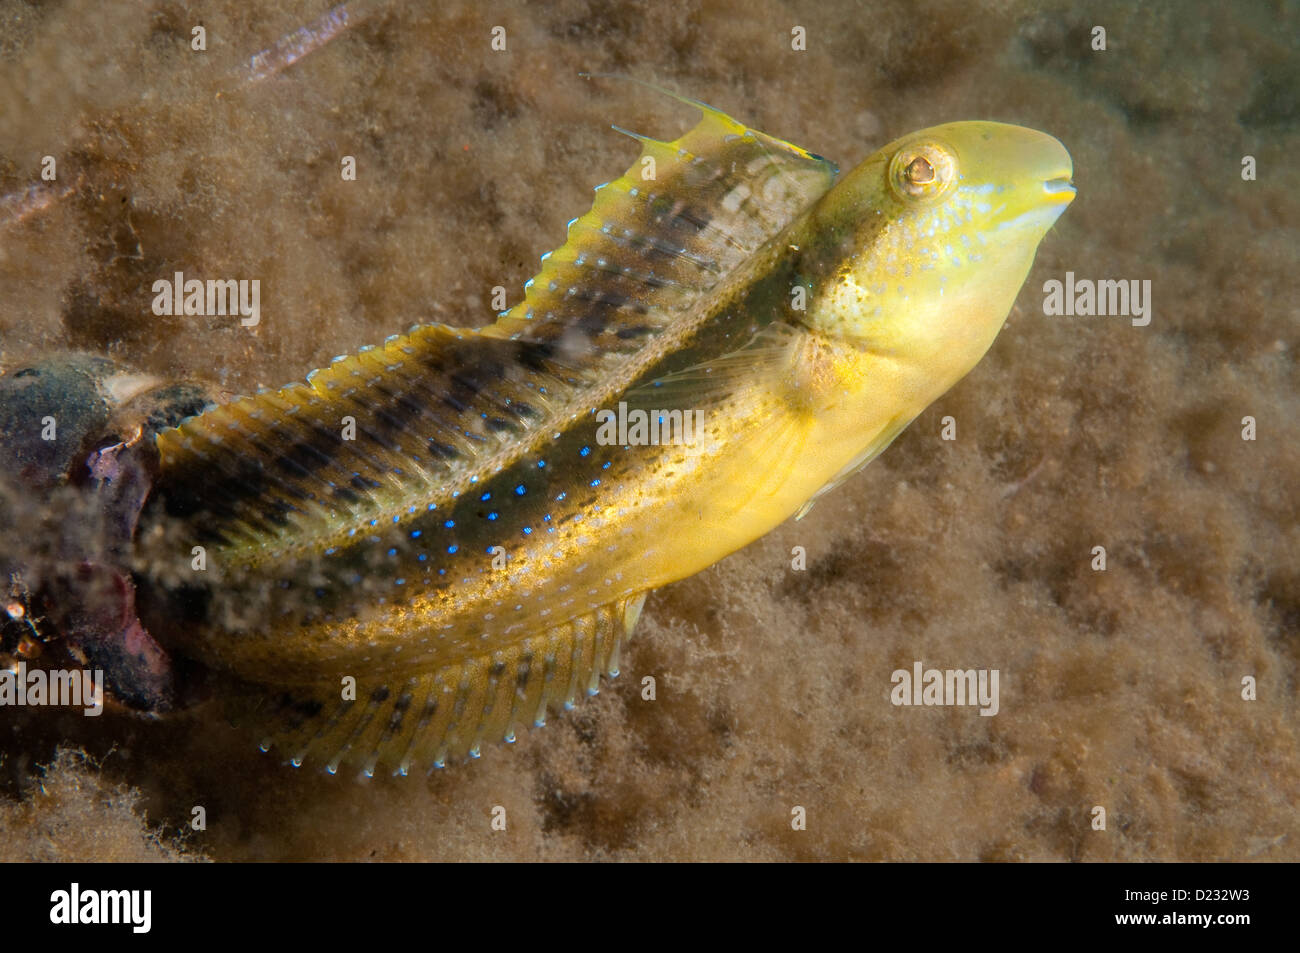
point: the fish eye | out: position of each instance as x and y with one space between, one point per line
919 171
922 170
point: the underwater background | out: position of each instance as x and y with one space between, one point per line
1120 689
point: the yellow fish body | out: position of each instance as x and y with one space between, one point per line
464 524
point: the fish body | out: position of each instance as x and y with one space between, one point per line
465 523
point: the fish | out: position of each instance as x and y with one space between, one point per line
435 542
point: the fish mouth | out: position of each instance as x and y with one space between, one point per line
1060 188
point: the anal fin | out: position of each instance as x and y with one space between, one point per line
447 714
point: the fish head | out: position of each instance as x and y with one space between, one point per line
935 236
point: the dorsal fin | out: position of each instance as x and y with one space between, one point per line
681 219
418 419
434 411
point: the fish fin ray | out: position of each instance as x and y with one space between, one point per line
660 237
415 419
726 376
874 449
446 715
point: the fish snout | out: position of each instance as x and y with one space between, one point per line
1034 173
1060 188
1040 160
1051 165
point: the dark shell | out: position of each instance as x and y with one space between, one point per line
77 433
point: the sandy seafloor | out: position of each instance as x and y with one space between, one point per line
1120 689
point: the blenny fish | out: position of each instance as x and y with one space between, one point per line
436 541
